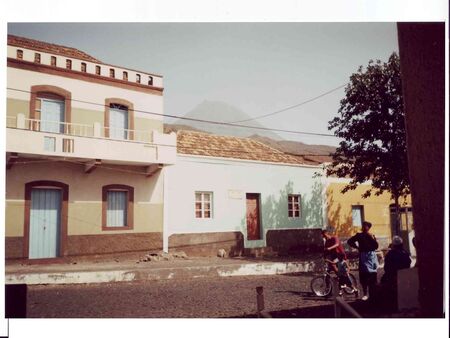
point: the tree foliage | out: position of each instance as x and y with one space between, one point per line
371 122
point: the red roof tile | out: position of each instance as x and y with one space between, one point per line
19 41
204 144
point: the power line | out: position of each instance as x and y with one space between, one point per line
229 124
291 107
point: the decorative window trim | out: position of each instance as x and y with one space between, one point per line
64 214
130 206
202 205
293 202
130 107
50 92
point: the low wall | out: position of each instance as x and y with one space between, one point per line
95 244
295 241
208 244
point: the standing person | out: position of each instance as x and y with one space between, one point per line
333 247
366 244
396 259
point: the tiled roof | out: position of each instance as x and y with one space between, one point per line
19 41
204 144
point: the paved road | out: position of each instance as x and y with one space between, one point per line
200 298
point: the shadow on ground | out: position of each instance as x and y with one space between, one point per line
365 309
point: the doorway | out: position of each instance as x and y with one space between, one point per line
253 217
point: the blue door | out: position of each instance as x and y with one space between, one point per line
52 116
45 223
118 123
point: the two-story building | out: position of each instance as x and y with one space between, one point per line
85 154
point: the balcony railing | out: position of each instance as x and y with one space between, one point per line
77 129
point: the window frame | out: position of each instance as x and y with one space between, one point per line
19 54
84 67
53 61
50 92
202 205
98 70
37 57
69 64
130 108
361 208
130 206
292 210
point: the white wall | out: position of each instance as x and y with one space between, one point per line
230 180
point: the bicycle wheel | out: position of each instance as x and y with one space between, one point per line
351 290
321 286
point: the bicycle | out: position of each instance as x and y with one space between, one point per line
322 286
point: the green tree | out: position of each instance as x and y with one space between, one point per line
371 122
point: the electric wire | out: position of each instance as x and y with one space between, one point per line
229 124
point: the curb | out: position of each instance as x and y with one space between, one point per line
109 276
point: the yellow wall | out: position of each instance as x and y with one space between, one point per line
84 116
15 106
85 196
376 210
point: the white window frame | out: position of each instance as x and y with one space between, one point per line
202 202
127 199
361 209
291 203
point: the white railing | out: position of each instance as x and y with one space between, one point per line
78 129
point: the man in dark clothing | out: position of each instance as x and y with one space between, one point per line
366 244
396 259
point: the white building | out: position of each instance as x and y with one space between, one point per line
238 194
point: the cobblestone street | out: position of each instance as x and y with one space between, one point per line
200 298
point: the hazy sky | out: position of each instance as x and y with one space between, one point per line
257 67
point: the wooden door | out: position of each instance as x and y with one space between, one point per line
253 217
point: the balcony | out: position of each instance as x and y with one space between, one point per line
38 138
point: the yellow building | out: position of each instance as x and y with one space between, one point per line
85 162
346 212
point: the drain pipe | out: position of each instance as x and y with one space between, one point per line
165 211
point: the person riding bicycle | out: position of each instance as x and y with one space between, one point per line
332 248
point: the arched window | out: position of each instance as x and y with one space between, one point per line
138 78
97 70
83 67
69 64
119 119
19 54
125 76
112 73
50 109
53 61
150 81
